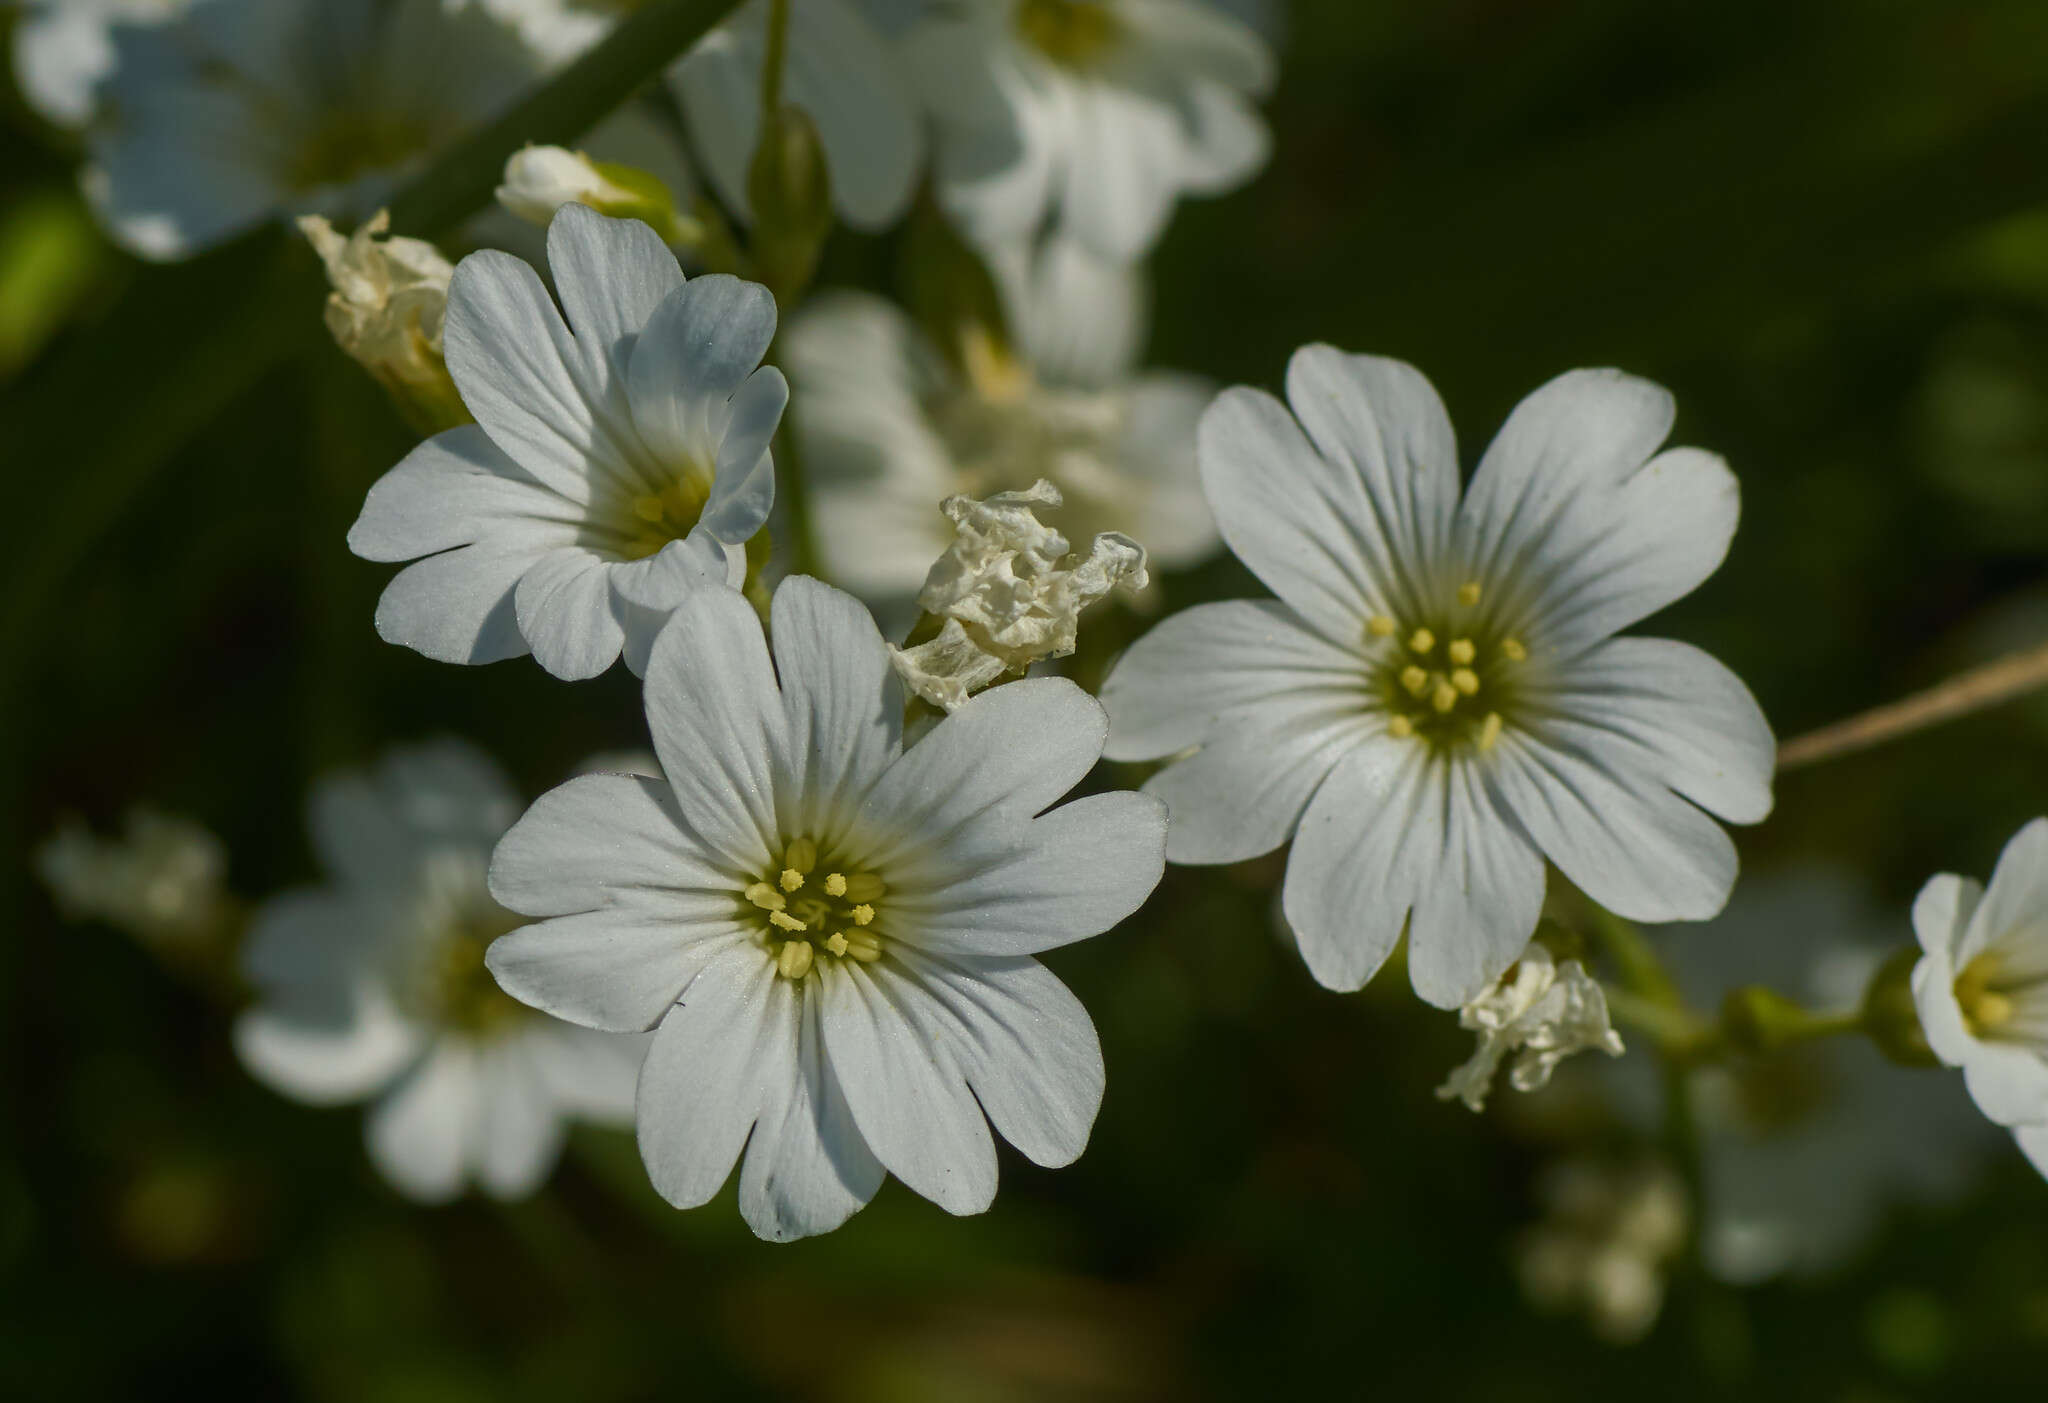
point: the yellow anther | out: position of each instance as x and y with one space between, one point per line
782 920
836 942
1465 680
1512 649
835 884
1462 651
1489 730
1415 680
862 946
864 886
1988 1012
1421 641
802 856
790 879
1444 697
766 897
793 961
863 915
1468 593
1400 728
1380 626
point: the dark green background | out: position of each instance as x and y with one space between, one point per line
1823 224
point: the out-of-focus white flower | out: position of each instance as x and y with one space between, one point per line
375 986
617 462
241 110
63 48
1806 1149
1982 984
1437 704
890 426
833 934
1608 1237
386 310
1093 116
1008 593
164 880
1540 1012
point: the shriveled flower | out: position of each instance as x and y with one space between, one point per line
164 880
242 110
1609 1236
63 48
891 423
1539 1012
1436 704
616 464
1093 116
831 935
375 986
1982 984
1008 593
386 309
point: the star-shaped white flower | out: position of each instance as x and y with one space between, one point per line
1982 984
241 110
1436 704
830 934
374 986
617 462
1094 116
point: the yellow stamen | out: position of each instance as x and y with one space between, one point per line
791 879
766 897
794 960
1512 649
1400 728
835 884
1468 593
1421 641
1415 680
1462 651
864 886
782 920
862 946
1380 626
836 942
1465 680
1489 730
862 915
1444 697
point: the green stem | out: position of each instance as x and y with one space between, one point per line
775 59
794 485
1641 971
1677 1032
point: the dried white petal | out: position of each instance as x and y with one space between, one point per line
386 310
1540 1012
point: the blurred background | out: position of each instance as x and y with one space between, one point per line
1823 224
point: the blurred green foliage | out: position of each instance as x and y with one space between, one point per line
1823 223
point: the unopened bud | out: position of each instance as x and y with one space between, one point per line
790 191
539 180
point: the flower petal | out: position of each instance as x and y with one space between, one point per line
458 607
420 1136
907 1096
611 275
519 1132
564 605
808 1170
1942 911
2011 917
454 489
369 827
697 350
325 1048
843 704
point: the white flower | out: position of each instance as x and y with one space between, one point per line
1982 985
616 462
541 179
163 880
1608 1237
245 109
1543 1010
1008 593
374 986
840 69
386 309
1094 116
833 934
1805 1150
1436 704
890 426
63 48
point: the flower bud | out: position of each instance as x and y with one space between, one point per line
541 179
385 311
1756 1020
790 191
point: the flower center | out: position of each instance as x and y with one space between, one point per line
1990 998
809 909
656 518
1445 680
1069 32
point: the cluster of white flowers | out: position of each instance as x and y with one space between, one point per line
164 880
1609 1235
